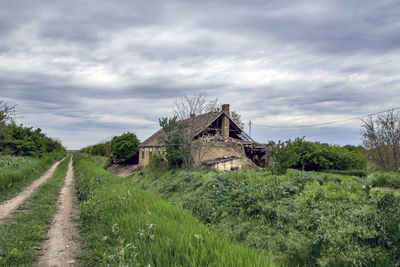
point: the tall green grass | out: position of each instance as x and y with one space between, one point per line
122 225
301 218
20 238
18 172
384 179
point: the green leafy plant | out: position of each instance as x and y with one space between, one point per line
125 147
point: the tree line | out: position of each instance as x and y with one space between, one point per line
122 149
19 140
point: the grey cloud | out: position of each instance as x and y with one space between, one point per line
341 58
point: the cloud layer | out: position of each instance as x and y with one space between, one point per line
86 70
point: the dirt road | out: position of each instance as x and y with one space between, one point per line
9 206
59 249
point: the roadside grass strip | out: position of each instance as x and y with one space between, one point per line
122 225
21 237
18 172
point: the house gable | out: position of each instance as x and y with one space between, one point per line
210 123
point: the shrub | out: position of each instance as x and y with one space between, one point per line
100 149
25 141
315 156
383 179
157 164
125 147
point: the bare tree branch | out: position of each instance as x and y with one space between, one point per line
382 139
7 113
198 104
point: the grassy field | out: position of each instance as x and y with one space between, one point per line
301 218
20 238
122 225
18 172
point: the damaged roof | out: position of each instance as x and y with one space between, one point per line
195 126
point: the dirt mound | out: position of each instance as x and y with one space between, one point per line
123 170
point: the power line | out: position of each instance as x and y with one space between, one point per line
325 123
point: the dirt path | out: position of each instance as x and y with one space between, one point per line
9 206
59 249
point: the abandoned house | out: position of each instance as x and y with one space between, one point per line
217 141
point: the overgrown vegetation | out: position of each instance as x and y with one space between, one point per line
18 172
301 218
382 139
20 238
23 141
314 156
100 149
125 147
176 142
121 149
384 179
122 225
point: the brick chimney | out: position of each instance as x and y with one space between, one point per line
225 107
192 116
225 121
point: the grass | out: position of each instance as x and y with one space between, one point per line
20 238
301 218
384 179
18 172
122 225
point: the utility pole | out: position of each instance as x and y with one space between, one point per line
250 128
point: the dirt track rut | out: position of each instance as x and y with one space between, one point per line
59 248
9 206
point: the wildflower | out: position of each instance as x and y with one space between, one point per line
198 237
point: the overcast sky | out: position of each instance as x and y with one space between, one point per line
84 71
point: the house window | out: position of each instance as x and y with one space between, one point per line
150 153
142 154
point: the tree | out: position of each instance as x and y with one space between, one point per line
125 147
381 137
7 113
198 104
176 142
237 119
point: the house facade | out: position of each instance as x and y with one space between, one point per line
217 141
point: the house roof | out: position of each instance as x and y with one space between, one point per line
195 126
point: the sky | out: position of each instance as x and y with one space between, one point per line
85 71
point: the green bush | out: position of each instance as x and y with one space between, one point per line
125 147
176 142
157 164
25 141
384 179
101 149
315 156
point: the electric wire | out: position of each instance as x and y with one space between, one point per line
325 123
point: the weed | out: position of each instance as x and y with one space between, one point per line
123 225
